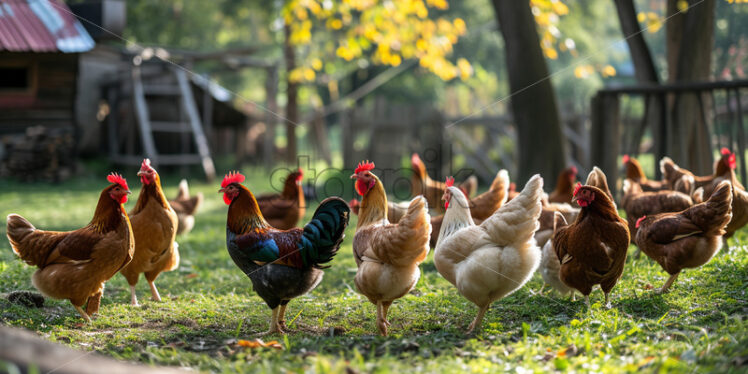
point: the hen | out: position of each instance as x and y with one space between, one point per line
550 265
490 261
154 225
739 199
481 206
564 186
387 255
284 211
422 184
545 231
186 206
637 203
74 265
395 211
672 173
686 239
293 258
635 172
592 250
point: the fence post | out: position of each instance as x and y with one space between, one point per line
606 135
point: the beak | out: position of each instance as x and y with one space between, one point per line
129 192
354 176
141 173
444 196
573 199
222 190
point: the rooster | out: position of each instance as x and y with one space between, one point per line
422 184
74 265
686 239
387 255
186 206
635 172
154 224
490 261
293 258
284 211
592 250
564 186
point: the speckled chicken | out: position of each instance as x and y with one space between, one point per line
74 265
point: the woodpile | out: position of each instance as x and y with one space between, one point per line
39 155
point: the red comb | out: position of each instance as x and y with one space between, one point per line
117 179
577 188
626 159
146 164
639 221
364 166
731 161
232 177
724 151
354 203
450 181
573 170
300 176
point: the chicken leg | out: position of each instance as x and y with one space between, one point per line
385 309
281 316
133 296
82 313
587 300
607 303
381 319
478 319
92 307
669 283
154 291
274 326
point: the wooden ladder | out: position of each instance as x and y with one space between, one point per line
193 125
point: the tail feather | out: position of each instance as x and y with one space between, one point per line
517 220
407 242
184 190
324 233
469 185
669 169
716 213
31 245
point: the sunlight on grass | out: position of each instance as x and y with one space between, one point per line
700 326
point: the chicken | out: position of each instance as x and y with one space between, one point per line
637 203
490 261
550 265
186 207
597 178
284 211
395 211
671 172
564 186
154 224
293 259
592 250
512 192
74 265
739 199
686 239
545 231
387 255
635 172
422 184
481 206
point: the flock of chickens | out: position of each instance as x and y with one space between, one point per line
487 246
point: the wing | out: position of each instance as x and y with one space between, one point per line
669 228
404 243
77 246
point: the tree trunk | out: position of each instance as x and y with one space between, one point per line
542 146
691 115
292 93
644 69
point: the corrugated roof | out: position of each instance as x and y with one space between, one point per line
41 26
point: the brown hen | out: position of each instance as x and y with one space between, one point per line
284 211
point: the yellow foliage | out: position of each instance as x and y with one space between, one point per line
682 6
550 53
608 71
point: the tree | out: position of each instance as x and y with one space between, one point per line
542 146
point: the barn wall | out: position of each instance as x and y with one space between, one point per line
51 100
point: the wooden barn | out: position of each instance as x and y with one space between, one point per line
40 46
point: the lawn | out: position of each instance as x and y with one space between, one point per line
208 304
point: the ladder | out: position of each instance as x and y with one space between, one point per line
192 127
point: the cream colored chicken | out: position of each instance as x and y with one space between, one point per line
550 265
490 261
387 254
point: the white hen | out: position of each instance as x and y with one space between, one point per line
492 260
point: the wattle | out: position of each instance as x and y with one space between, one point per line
226 199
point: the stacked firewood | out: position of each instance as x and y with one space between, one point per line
39 155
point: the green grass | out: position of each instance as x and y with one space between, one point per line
700 326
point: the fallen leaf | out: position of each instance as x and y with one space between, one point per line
648 286
258 343
191 275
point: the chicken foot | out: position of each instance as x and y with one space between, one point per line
274 325
478 319
669 283
281 317
82 313
133 296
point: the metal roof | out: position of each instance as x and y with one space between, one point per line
41 26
